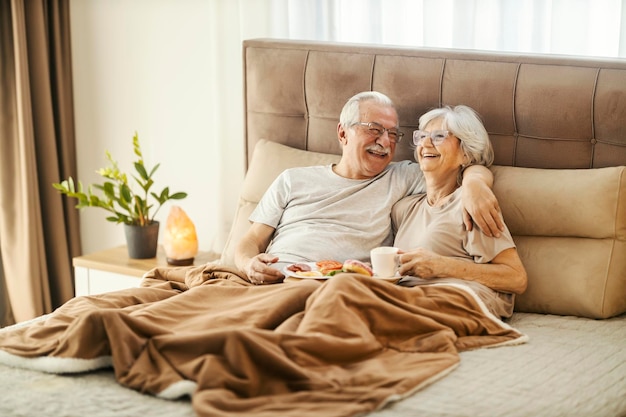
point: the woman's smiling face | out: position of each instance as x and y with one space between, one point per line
446 157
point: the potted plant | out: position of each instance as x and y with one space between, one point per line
133 208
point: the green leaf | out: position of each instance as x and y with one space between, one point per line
178 196
147 185
125 193
136 146
59 186
141 170
93 200
109 190
154 169
123 204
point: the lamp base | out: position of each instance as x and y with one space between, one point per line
180 262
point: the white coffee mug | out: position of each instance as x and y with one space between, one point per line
384 261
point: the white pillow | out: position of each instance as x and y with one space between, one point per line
569 226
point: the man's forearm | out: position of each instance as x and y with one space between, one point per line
254 242
245 251
478 173
480 202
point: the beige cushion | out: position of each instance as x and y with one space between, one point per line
570 230
569 226
268 161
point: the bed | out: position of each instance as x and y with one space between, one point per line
558 126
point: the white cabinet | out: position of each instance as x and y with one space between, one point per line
112 269
93 281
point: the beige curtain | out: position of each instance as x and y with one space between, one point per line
581 27
39 232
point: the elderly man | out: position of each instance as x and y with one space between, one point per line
342 211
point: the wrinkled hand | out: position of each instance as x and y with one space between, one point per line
421 263
481 205
259 272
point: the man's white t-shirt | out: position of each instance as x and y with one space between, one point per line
319 215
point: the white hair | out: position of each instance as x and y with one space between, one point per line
350 114
464 123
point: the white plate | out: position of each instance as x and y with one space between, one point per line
291 274
314 268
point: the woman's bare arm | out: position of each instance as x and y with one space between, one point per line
504 273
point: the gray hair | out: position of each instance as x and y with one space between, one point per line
464 123
350 114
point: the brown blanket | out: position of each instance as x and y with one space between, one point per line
341 347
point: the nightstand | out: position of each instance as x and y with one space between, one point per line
112 269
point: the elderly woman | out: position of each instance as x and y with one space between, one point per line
435 245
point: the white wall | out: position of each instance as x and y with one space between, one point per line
172 71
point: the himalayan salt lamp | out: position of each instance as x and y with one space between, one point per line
180 240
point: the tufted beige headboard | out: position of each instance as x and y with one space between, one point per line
558 126
540 111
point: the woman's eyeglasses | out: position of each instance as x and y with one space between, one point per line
436 136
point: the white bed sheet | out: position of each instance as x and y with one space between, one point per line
570 367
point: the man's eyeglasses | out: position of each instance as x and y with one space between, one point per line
436 136
376 130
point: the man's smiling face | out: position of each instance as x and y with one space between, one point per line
364 154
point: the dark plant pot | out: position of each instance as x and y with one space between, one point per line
142 241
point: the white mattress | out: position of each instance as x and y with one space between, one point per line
570 367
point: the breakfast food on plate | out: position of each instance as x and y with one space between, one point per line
353 265
299 267
308 274
327 266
